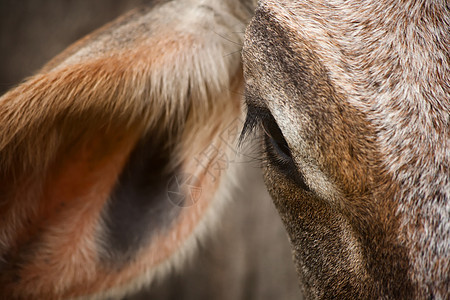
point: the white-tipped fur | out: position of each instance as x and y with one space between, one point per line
169 70
394 66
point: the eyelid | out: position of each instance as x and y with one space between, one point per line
266 131
257 116
283 153
261 118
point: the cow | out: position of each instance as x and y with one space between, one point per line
114 156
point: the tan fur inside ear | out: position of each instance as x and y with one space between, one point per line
169 245
66 133
123 88
56 240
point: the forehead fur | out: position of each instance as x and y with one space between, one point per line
391 61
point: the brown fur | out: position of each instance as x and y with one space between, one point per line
358 89
67 132
347 232
338 138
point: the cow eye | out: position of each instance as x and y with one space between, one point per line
276 145
278 151
276 148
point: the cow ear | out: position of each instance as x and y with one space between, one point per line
109 156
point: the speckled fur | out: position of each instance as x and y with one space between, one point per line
360 89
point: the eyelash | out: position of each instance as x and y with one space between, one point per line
260 121
252 122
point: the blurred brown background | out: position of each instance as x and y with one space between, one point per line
33 31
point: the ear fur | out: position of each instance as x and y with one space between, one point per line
153 88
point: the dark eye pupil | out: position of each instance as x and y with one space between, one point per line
276 138
279 153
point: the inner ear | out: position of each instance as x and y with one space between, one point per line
139 205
